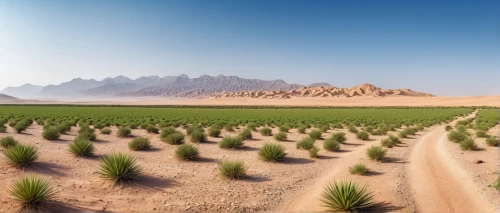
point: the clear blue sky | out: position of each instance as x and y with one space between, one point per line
441 47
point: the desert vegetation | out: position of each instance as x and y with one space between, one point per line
346 196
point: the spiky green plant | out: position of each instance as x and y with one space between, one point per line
139 144
123 132
229 128
232 169
91 136
352 129
118 167
230 142
106 131
362 135
280 136
346 196
82 148
152 129
481 134
20 127
186 152
492 141
376 153
266 131
339 137
31 192
174 138
315 134
456 136
194 128
284 128
245 134
305 143
51 133
8 142
403 134
197 137
358 169
313 152
167 131
331 145
468 144
21 155
272 152
214 132
301 129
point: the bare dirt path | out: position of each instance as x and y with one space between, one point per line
438 183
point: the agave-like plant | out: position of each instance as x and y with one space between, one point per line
21 155
272 152
119 167
346 196
186 152
232 169
31 192
82 148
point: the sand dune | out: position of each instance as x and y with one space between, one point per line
367 90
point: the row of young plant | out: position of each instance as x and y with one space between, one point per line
466 141
142 117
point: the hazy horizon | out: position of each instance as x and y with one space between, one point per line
442 48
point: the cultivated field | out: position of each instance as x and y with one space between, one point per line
129 159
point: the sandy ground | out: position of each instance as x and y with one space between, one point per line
294 185
444 179
295 101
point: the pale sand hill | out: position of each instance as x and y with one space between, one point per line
367 90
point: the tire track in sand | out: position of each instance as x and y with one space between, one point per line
437 182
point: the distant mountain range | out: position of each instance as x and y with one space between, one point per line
182 87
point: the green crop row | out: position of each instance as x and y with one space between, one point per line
486 119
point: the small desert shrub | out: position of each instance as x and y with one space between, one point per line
21 155
362 135
194 128
87 136
123 132
167 131
8 142
448 128
305 143
105 131
468 144
346 196
331 145
368 129
284 128
197 137
280 136
272 152
481 134
492 141
461 128
496 185
229 142
376 153
339 136
139 144
352 129
324 128
63 128
252 126
456 136
266 131
51 133
301 129
358 169
376 132
119 167
403 134
315 134
3 129
186 152
229 128
82 148
245 134
174 138
313 152
214 132
152 129
232 169
31 192
390 141
20 127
